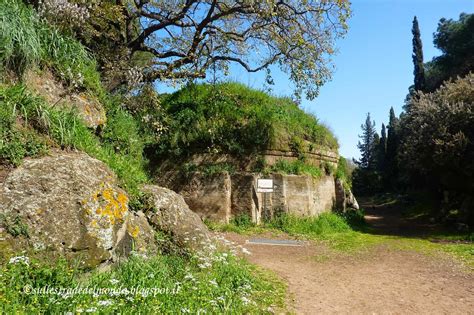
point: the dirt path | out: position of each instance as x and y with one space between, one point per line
382 281
385 219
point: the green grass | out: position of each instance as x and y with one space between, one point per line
296 167
339 232
231 285
20 45
345 233
22 110
459 251
25 41
349 234
232 118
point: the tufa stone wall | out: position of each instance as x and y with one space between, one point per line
219 197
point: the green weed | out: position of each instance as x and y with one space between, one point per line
296 167
26 41
67 130
13 225
167 284
20 45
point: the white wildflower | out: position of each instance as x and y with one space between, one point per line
246 287
20 259
114 281
205 265
189 277
105 303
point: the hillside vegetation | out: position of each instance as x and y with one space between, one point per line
140 124
232 118
32 127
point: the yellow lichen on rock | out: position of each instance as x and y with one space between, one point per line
105 210
133 230
109 205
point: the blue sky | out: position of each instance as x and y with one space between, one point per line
373 67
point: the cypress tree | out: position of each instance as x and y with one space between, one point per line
382 150
369 139
392 134
391 168
417 56
383 138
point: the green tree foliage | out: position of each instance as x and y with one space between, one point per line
455 39
182 40
391 162
437 149
368 144
366 178
419 72
429 149
382 150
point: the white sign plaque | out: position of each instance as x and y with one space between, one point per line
264 185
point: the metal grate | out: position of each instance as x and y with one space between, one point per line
263 241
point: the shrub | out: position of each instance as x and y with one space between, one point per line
243 221
437 149
13 225
122 133
344 173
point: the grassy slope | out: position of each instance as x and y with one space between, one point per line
30 127
232 118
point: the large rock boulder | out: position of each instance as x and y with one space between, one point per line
69 204
171 214
345 199
351 201
87 106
